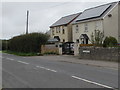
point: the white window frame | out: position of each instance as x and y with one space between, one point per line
77 28
62 31
97 24
53 33
86 27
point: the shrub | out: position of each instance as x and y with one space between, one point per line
4 44
97 37
110 42
28 43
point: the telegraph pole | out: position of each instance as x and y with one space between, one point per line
27 22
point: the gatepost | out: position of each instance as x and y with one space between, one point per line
76 49
60 48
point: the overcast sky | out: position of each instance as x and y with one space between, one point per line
42 15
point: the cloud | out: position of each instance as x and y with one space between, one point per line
42 15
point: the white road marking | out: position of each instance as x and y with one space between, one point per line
46 68
23 62
105 86
10 59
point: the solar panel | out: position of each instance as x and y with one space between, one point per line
93 12
65 20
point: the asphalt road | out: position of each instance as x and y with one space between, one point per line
30 72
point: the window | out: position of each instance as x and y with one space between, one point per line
96 25
56 29
86 27
59 29
63 31
77 29
52 31
63 40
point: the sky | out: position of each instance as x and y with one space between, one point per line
41 14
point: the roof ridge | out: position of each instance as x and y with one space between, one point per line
99 6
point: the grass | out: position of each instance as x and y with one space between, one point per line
22 54
51 53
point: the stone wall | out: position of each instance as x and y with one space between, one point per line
49 48
99 53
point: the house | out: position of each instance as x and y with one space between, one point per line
105 18
62 29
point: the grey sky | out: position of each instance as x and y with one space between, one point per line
42 15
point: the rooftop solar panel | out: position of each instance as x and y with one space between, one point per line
93 12
65 20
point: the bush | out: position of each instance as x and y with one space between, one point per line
4 45
110 42
97 37
28 43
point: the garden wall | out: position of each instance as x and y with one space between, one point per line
50 48
99 53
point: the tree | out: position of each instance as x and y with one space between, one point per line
97 37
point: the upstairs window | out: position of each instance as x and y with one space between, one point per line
96 25
56 29
77 29
52 31
63 31
86 27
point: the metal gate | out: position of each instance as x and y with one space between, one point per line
68 48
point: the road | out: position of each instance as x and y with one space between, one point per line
31 72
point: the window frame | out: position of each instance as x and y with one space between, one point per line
77 28
86 27
63 31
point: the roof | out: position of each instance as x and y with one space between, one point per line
95 13
85 36
65 20
52 40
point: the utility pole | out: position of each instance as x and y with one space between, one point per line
27 22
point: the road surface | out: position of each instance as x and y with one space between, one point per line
30 72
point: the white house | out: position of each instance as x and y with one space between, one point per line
105 18
62 29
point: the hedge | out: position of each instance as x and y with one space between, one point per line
110 42
28 42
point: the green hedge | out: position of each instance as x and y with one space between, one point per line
4 44
28 43
110 42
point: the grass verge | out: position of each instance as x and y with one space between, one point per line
22 54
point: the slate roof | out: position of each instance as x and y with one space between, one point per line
65 20
52 40
85 36
95 13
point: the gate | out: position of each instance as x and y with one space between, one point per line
68 48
